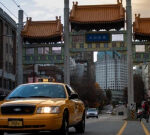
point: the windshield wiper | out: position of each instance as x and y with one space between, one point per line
17 97
39 97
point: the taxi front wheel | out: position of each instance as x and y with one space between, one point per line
80 127
65 127
1 133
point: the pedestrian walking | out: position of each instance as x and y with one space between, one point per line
145 112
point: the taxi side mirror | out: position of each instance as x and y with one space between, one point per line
2 97
74 96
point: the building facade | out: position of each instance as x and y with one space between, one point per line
111 73
8 30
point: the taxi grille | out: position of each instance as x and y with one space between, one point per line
17 109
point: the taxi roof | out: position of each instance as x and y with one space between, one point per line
44 83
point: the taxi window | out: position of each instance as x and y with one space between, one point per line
38 90
70 90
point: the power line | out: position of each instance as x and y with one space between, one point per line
16 4
8 10
19 7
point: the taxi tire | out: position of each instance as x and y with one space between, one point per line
1 133
80 127
65 125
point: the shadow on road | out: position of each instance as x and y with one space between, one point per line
43 133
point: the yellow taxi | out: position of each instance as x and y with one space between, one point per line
42 107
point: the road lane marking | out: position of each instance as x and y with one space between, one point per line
122 129
145 129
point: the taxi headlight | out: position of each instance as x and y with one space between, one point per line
54 109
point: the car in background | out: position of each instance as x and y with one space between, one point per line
42 107
91 112
108 112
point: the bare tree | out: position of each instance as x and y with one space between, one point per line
139 90
89 91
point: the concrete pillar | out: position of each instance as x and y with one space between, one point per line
3 64
66 40
131 104
19 49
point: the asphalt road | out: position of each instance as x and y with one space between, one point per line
110 125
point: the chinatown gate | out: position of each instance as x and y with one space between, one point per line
93 28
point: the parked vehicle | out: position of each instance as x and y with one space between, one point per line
92 112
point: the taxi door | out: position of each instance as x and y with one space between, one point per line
78 107
72 106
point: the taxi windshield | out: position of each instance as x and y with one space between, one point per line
38 91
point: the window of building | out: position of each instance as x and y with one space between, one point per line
89 45
10 68
81 45
46 50
6 66
12 51
5 83
113 44
58 57
105 45
1 27
40 50
29 51
6 29
56 50
0 82
51 58
122 44
73 45
97 45
6 48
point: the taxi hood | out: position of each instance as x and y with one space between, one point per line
37 102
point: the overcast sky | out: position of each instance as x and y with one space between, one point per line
48 9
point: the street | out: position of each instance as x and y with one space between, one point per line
110 125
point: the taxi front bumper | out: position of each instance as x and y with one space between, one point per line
40 122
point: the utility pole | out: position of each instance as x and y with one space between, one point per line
131 104
19 49
66 41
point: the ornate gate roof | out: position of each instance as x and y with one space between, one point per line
141 28
42 31
97 17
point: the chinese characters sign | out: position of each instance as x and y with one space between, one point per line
97 37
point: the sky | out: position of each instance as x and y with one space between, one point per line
49 9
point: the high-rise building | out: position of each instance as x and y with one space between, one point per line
111 73
8 34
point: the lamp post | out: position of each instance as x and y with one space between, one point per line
131 104
66 41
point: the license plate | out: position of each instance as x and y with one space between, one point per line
15 123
